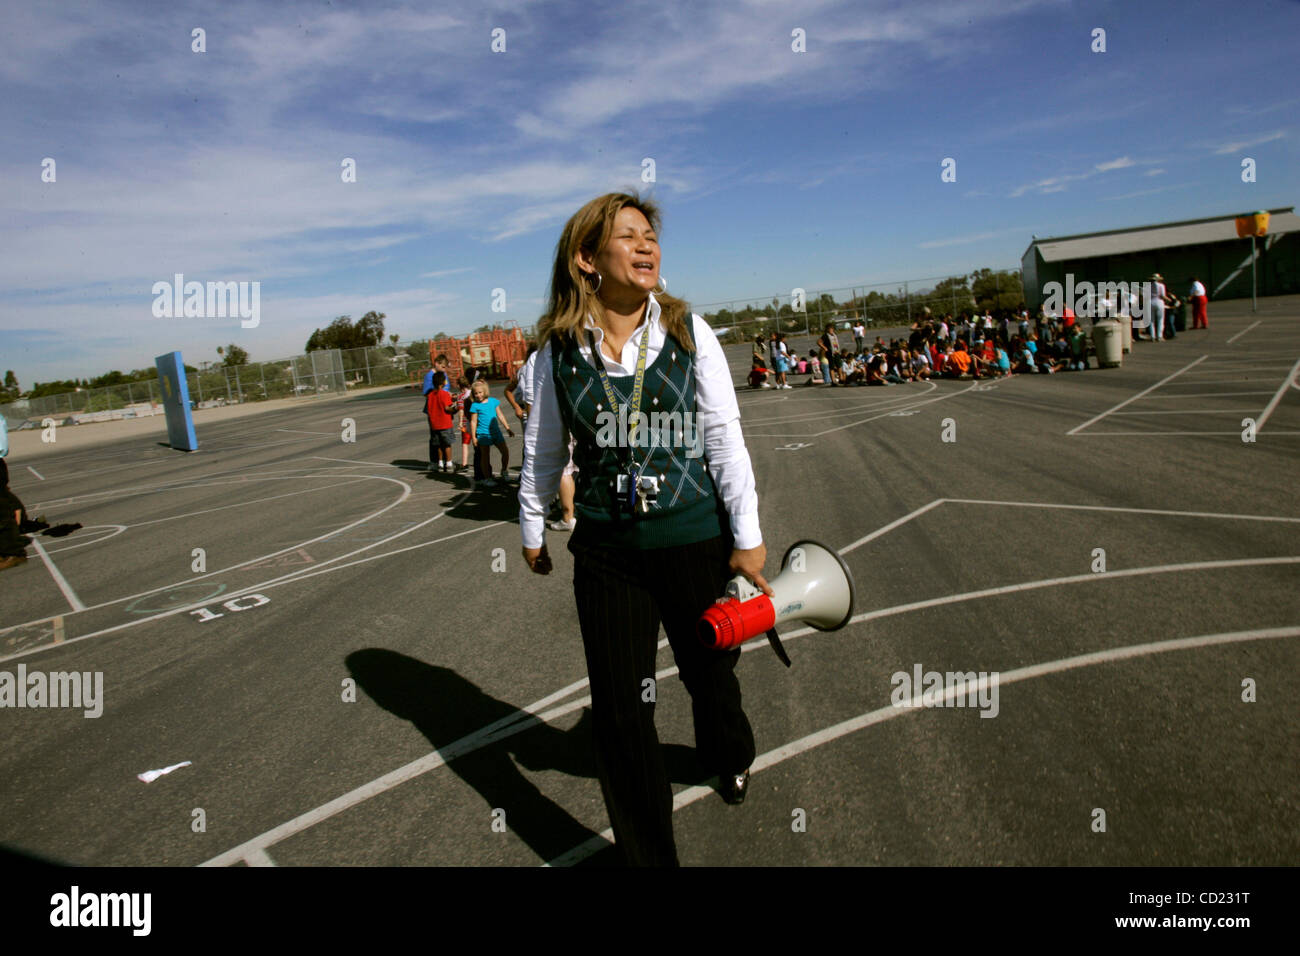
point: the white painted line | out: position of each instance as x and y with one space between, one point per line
819 412
1202 395
918 404
1193 411
289 578
1253 367
1244 331
1271 434
35 472
59 579
406 491
84 539
375 787
1259 424
259 858
349 461
301 431
1140 511
1079 428
891 526
253 501
828 734
521 720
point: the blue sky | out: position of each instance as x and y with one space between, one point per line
775 169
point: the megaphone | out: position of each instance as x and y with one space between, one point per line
815 586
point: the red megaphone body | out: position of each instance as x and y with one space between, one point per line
814 586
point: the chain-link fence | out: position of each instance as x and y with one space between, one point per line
325 372
879 306
332 371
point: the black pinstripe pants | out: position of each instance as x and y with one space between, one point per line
622 597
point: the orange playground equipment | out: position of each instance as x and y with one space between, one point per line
499 352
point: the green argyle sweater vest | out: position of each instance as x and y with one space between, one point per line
667 444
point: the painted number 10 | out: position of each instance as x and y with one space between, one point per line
254 600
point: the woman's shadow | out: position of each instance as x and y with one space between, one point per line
452 712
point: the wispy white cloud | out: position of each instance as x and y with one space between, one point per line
1223 149
965 240
1148 192
445 272
1056 184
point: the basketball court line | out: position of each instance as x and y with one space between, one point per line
204 483
1191 411
252 501
292 577
820 415
59 579
533 714
406 490
1272 405
1263 417
1203 395
1134 398
1271 434
35 472
903 407
834 732
1244 331
1141 511
82 540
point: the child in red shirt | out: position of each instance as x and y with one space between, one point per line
439 406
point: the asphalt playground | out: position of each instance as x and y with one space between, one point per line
360 669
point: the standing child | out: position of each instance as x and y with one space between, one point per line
486 421
439 407
464 399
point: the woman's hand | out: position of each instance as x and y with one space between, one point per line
539 561
749 562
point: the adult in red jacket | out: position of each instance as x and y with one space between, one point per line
1200 320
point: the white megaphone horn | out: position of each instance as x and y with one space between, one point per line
815 586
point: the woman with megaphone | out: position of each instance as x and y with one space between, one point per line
666 506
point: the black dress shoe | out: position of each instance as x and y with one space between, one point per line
734 787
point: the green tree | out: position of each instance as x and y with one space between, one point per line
370 330
342 334
234 355
997 290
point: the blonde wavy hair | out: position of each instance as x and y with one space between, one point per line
571 298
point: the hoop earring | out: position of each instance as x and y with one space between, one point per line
662 281
599 279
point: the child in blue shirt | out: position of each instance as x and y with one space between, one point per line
486 421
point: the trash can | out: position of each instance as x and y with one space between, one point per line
1125 333
1108 342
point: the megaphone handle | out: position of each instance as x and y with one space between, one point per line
776 646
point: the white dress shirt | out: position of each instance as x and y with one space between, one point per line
546 441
